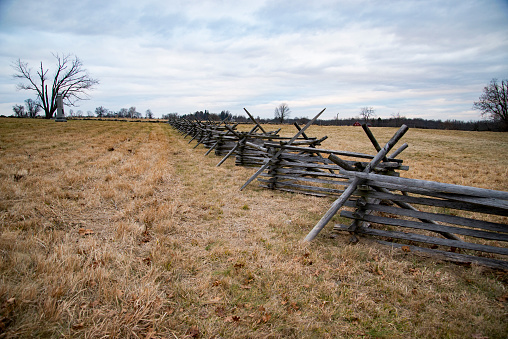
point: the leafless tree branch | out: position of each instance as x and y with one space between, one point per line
493 103
367 113
70 79
282 112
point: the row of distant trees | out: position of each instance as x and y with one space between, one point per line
366 115
395 120
493 104
102 112
72 81
32 110
206 115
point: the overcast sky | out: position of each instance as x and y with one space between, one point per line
428 59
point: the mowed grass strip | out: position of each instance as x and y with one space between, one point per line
117 229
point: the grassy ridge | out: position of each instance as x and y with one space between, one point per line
123 230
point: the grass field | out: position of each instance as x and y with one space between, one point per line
118 229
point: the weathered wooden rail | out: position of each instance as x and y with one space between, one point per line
460 223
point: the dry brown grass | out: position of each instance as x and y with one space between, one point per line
117 229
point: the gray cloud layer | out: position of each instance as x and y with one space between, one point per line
420 58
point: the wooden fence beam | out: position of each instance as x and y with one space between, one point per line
342 164
399 150
254 120
372 139
435 186
410 207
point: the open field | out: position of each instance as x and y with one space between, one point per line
117 229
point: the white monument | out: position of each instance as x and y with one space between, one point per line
60 117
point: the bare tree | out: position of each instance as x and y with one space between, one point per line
123 113
19 111
32 107
132 112
70 79
282 112
149 114
398 118
367 113
101 111
494 102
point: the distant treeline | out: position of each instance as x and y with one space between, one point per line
480 125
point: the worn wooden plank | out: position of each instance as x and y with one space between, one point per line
452 219
256 160
450 256
280 184
286 163
253 145
341 163
305 158
488 202
309 142
433 186
435 202
321 195
218 138
260 161
254 120
352 165
428 226
372 139
305 179
248 159
398 150
432 240
310 173
410 207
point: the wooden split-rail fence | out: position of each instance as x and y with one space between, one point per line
459 223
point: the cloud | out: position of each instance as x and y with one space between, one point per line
427 58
